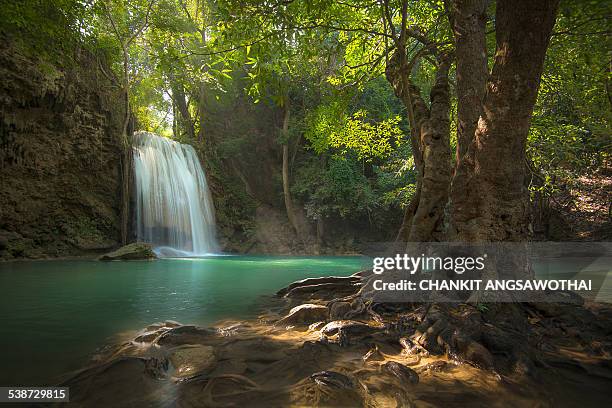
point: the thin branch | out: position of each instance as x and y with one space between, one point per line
230 49
144 25
387 14
113 25
337 28
112 78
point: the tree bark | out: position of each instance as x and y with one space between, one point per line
429 137
489 197
286 192
428 220
186 122
468 21
202 111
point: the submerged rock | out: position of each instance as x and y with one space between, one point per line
134 251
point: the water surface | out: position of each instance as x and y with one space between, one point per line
53 314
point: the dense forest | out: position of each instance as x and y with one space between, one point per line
206 141
326 124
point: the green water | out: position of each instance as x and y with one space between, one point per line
54 314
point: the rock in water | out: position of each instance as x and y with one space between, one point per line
406 375
332 379
135 251
304 314
193 359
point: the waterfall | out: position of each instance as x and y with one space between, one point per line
174 209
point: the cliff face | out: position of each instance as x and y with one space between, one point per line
59 156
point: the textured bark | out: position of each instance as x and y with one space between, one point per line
427 223
468 20
397 76
286 192
201 111
490 200
429 138
186 121
404 231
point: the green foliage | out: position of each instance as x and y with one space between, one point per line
327 58
570 132
339 189
367 140
48 29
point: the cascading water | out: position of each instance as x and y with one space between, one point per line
174 209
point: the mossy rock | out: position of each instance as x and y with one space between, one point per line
135 251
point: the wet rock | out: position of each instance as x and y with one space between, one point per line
339 310
231 330
148 336
473 352
254 349
408 347
373 354
184 335
156 367
316 326
232 367
412 351
435 366
315 283
329 389
135 251
432 336
191 360
478 355
304 314
405 375
349 327
495 339
135 381
332 379
326 291
171 323
153 331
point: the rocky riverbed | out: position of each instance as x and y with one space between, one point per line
323 344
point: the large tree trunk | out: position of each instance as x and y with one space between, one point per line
428 220
186 121
468 21
417 111
429 139
286 185
201 111
490 200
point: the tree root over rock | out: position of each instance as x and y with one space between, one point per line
350 351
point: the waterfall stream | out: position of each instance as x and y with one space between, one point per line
174 209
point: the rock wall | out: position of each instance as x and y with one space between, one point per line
59 156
